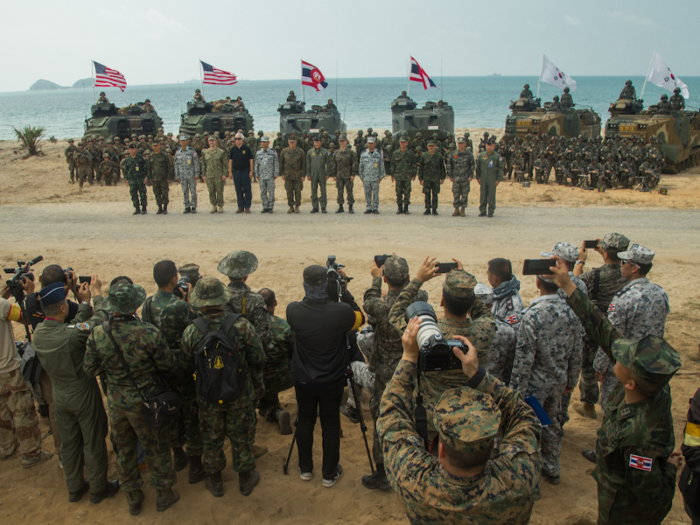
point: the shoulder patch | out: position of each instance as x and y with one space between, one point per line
512 319
640 463
83 327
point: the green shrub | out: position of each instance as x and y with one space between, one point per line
31 138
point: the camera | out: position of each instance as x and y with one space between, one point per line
22 272
181 287
336 282
435 352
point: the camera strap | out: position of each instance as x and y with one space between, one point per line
107 327
421 417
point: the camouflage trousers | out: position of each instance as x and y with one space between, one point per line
431 190
364 380
160 192
365 340
215 186
603 365
293 188
18 416
47 394
371 194
377 393
185 431
267 193
71 169
551 436
109 177
403 192
460 193
238 423
127 425
345 186
588 384
84 173
276 379
137 189
189 191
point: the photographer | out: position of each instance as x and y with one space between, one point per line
172 315
80 413
464 314
15 392
507 304
319 367
461 484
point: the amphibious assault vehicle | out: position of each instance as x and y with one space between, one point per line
294 117
431 118
528 116
677 131
108 121
205 116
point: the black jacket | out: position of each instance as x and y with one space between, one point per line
320 326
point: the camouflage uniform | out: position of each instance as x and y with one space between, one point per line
293 170
277 375
109 171
267 169
136 171
507 303
403 169
68 152
431 172
83 164
215 169
548 360
146 352
159 173
187 170
460 170
501 351
344 168
503 493
635 482
237 418
371 172
479 328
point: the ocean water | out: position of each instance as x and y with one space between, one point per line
363 102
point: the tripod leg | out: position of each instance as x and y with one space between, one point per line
285 468
363 427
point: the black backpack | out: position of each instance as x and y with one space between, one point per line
218 369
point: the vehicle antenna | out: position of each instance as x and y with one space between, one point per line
92 74
540 79
647 76
336 83
201 78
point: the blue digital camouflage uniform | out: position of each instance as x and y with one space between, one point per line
267 169
371 172
187 171
507 304
501 351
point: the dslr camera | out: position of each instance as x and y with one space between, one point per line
336 282
435 352
181 288
19 274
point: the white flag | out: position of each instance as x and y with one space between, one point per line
551 74
662 76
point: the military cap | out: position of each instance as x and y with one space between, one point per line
467 420
651 358
396 268
183 137
614 242
132 145
265 139
191 271
343 137
461 140
459 283
238 264
403 139
209 291
484 292
317 138
70 141
371 140
125 298
315 275
637 254
52 293
431 143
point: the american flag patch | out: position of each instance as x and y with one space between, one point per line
640 463
612 307
512 319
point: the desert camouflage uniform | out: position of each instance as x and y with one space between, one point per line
109 171
159 173
83 165
68 152
460 169
501 351
548 360
293 169
344 167
187 170
215 169
267 169
250 305
136 171
371 172
277 374
403 168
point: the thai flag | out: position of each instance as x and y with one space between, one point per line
640 463
312 76
418 74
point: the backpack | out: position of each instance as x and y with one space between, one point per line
218 365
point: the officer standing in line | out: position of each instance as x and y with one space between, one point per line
68 152
159 173
403 171
371 173
293 171
344 168
136 171
318 170
187 171
460 170
214 168
489 172
266 169
431 174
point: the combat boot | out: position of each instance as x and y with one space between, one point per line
75 497
259 451
296 209
213 209
165 209
160 210
589 455
400 210
180 459
350 210
166 499
110 491
143 211
435 211
187 210
340 209
197 472
215 485
461 212
135 501
378 480
456 212
323 210
405 209
221 209
586 410
283 420
193 210
137 210
427 211
247 481
291 209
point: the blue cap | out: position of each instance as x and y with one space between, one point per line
491 141
52 294
317 138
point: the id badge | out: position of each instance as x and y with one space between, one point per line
375 164
137 168
189 161
491 164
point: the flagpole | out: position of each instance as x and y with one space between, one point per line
201 77
540 79
641 97
92 74
408 78
336 82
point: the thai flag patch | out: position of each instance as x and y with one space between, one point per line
512 319
640 463
612 307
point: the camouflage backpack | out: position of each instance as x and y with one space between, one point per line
217 373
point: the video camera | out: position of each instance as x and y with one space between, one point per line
336 282
22 272
435 352
181 287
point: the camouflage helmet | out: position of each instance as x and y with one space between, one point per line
70 141
369 130
238 264
197 91
102 93
467 135
110 141
664 97
460 284
81 144
205 134
291 92
209 291
435 135
527 86
467 430
486 134
251 132
651 358
556 98
105 155
652 138
359 132
197 136
147 101
566 89
322 129
125 298
279 133
676 90
628 83
419 134
260 133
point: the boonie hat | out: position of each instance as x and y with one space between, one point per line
238 264
125 298
209 291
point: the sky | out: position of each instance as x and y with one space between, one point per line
162 42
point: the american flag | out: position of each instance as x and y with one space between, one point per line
217 77
418 74
106 77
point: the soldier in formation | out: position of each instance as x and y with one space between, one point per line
344 169
371 172
403 169
214 170
267 169
318 170
160 173
187 170
293 171
135 172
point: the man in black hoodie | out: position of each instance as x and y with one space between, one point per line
320 360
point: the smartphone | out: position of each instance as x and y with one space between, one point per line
446 267
538 266
590 244
85 279
379 260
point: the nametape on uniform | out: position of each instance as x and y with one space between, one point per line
640 463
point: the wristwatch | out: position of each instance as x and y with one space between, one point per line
581 262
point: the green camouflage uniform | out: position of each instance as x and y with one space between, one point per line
293 168
635 482
277 375
215 168
460 169
160 170
135 171
403 169
344 167
431 171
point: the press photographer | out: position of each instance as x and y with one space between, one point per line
320 361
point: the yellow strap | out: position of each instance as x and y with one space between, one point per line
692 435
15 313
243 306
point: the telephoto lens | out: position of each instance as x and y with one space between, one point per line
435 351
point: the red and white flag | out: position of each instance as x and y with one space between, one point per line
662 76
311 76
217 77
551 74
418 74
106 77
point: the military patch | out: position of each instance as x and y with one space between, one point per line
640 463
512 319
500 159
218 363
612 307
83 327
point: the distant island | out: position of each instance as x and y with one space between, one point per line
46 85
496 75
83 83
